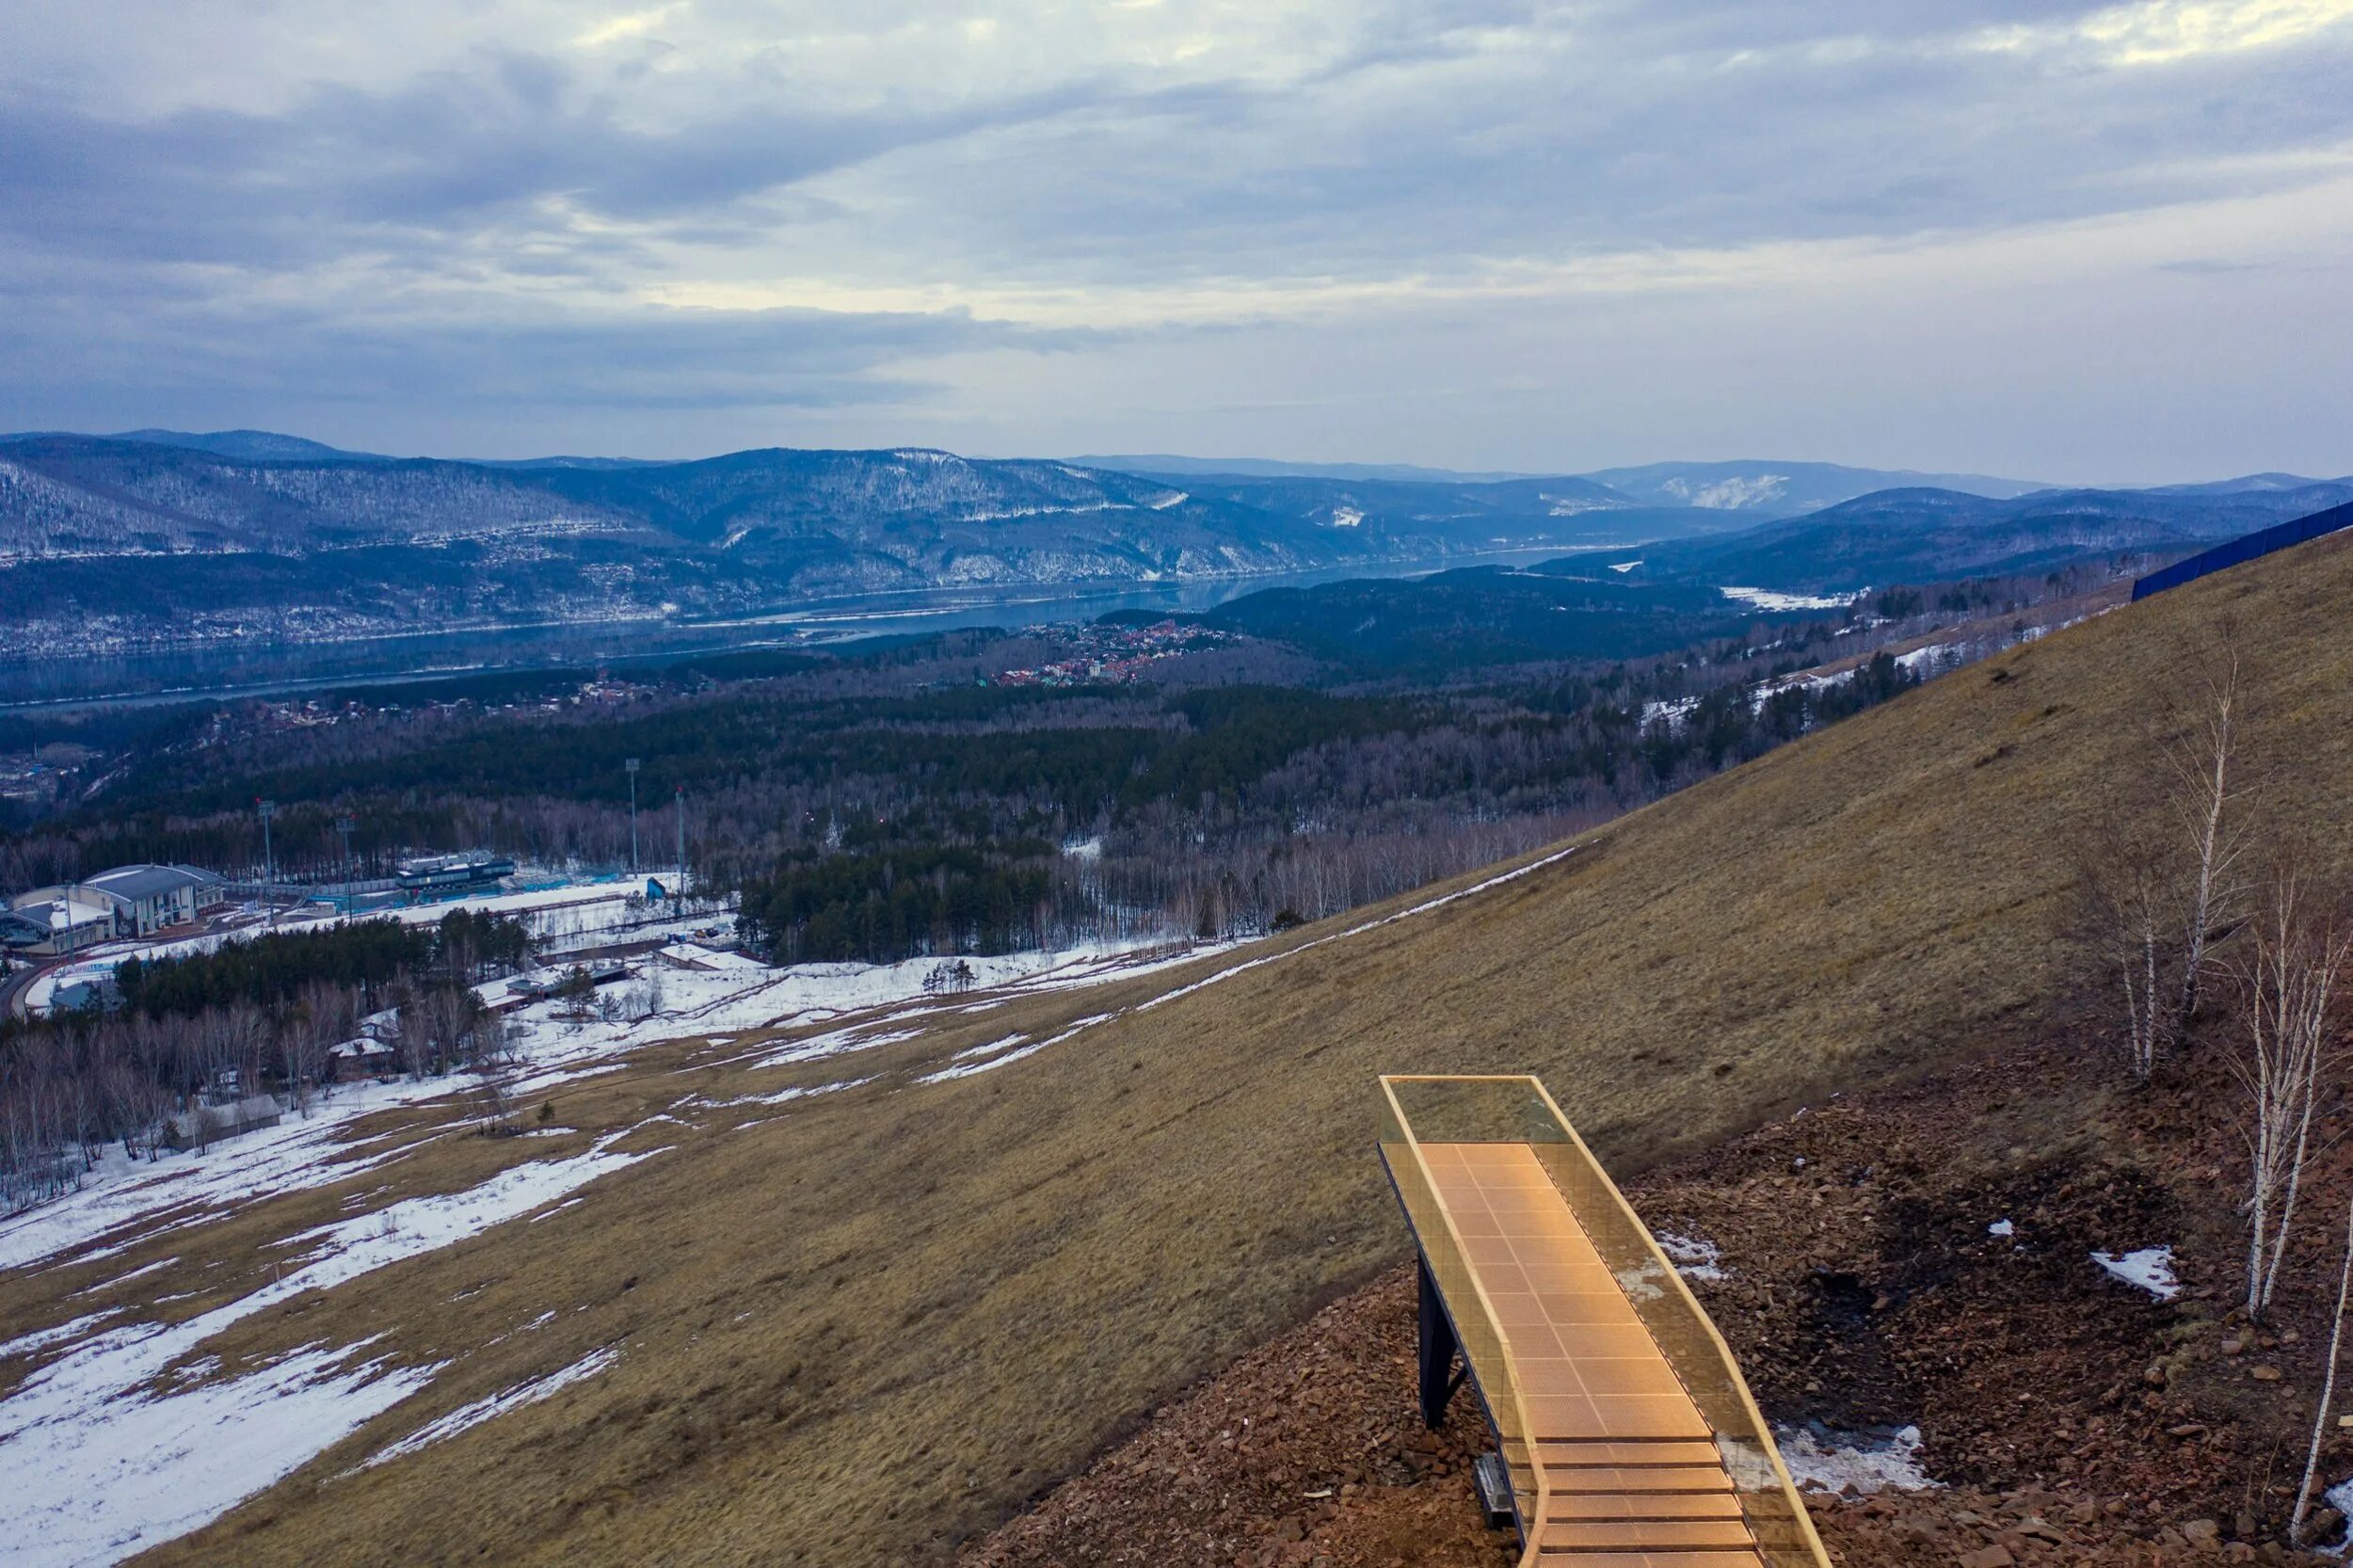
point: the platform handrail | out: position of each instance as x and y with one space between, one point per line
1442 1249
1692 1346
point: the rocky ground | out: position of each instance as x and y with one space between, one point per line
1865 1276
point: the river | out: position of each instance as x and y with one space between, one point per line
202 674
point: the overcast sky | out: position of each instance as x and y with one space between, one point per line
2069 242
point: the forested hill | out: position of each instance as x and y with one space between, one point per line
93 529
1927 535
115 544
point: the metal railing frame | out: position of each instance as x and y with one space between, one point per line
1805 1550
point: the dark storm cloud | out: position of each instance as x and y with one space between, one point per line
502 221
450 152
1735 127
96 350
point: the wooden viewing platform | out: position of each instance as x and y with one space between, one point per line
1629 1436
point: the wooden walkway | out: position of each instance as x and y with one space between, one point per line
1625 1466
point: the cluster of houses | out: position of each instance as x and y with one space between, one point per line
129 901
1112 655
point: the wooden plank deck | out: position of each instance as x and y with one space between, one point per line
1631 1466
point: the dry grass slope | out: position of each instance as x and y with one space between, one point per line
862 1331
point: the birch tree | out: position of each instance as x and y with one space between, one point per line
2291 980
2205 786
2328 1390
2131 881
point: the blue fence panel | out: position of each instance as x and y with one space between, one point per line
2247 548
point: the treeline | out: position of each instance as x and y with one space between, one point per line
898 901
260 1015
364 956
1203 804
1214 806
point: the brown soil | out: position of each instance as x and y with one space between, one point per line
2073 1418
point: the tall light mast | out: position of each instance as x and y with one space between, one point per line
268 808
343 825
631 766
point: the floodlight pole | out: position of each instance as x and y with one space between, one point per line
631 766
268 808
343 825
682 839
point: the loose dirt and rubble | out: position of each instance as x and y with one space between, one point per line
1919 1257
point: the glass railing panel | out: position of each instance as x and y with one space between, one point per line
1433 1110
1484 1344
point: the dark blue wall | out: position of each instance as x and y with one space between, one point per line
2245 548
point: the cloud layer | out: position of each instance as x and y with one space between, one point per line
1489 233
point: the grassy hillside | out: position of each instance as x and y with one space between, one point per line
858 1331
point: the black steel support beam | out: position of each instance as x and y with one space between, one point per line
1439 1377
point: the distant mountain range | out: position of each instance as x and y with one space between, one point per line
267 446
1923 536
259 446
162 537
1758 487
107 542
1267 468
1763 489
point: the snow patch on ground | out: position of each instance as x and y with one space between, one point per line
760 999
97 1464
2150 1269
693 956
1695 1257
1671 711
991 1049
1766 598
474 1414
963 1068
2340 1497
82 1490
784 1097
41 1338
1931 660
183 1189
1820 1460
104 1285
2001 1227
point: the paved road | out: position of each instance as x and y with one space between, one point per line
13 987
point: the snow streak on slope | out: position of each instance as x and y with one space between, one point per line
127 1433
981 1059
516 1398
1247 965
100 1460
183 1189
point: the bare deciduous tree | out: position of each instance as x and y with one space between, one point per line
2328 1389
2130 876
2204 789
2291 981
